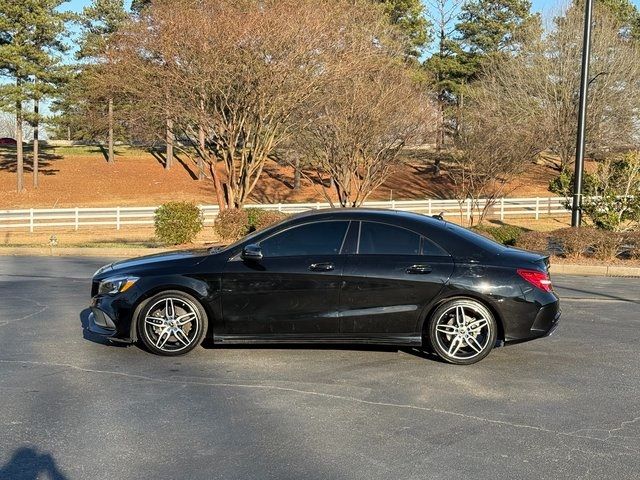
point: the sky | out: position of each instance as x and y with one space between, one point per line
538 5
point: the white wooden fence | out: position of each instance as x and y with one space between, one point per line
119 217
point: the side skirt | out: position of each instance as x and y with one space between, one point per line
405 340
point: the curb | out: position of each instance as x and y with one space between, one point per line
595 270
556 268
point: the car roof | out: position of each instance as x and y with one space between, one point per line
369 214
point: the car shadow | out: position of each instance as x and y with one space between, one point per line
415 351
93 337
209 344
27 463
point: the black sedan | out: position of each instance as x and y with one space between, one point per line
333 276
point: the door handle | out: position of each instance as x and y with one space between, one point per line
419 269
321 267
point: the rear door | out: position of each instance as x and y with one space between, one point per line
388 281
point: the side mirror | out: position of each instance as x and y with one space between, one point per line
252 252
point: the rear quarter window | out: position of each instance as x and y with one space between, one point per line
476 239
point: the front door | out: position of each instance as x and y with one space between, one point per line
293 290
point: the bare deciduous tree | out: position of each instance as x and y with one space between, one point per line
498 140
549 76
359 128
239 73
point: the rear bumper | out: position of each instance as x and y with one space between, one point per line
547 320
545 323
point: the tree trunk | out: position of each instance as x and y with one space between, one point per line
216 184
36 127
203 147
296 175
110 157
169 152
19 153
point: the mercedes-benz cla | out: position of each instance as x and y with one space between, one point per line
333 276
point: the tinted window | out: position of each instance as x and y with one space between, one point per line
381 239
475 238
322 238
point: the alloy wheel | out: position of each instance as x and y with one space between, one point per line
172 324
464 332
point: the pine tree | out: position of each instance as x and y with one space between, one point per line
30 42
492 27
409 16
99 22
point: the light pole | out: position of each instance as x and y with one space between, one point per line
576 207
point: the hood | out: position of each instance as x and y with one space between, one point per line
149 261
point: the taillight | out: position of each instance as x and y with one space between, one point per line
536 278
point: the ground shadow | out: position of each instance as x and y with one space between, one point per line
279 177
93 337
415 351
46 157
596 295
192 174
101 149
27 463
160 157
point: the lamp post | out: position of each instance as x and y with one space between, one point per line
576 207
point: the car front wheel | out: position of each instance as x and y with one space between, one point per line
171 323
462 331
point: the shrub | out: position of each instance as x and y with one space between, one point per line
177 222
606 244
506 234
268 218
259 218
482 231
232 224
631 242
575 241
535 241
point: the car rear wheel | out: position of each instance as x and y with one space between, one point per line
171 323
462 331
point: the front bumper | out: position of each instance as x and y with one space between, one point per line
110 317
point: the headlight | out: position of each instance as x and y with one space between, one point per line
111 286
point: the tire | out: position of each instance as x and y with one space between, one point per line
171 323
462 331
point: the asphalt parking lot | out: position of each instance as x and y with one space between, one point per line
567 406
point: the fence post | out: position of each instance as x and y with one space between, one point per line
393 204
549 207
317 205
117 218
31 219
279 207
502 209
537 208
430 207
77 218
468 211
